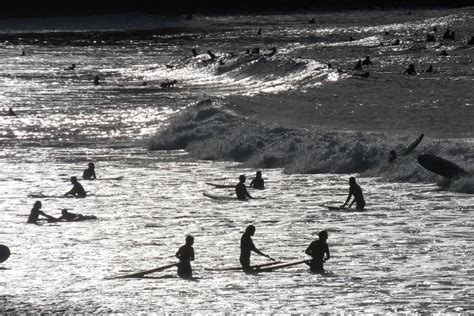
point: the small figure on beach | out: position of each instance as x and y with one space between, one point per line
89 173
77 189
185 254
410 70
241 189
246 247
258 182
317 249
356 191
36 212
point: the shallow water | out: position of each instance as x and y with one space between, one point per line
409 251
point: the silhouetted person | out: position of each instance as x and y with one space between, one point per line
393 156
23 53
471 41
11 112
259 32
358 66
435 29
430 69
386 33
89 173
446 34
185 254
144 83
96 80
356 191
195 53
247 51
241 189
317 249
36 212
351 39
246 247
410 70
258 182
77 189
430 38
452 35
211 54
396 42
72 67
367 61
443 53
312 21
273 52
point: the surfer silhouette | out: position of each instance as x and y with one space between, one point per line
258 182
246 247
241 190
77 189
410 70
356 191
89 173
36 212
317 249
367 61
11 112
185 254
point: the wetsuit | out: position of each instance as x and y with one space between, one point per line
89 174
358 196
185 255
317 249
78 190
241 191
257 183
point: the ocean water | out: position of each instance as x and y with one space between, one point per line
307 126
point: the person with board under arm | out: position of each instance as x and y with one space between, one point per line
241 190
185 254
356 191
317 249
246 247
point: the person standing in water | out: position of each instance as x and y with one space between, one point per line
241 189
89 173
356 191
185 254
246 247
257 182
317 249
36 212
77 189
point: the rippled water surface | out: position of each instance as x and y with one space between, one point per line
307 127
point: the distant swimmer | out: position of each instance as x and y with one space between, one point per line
96 80
444 53
36 212
430 69
259 32
77 189
89 173
367 61
471 41
168 84
411 70
396 42
258 182
246 247
317 249
195 53
185 254
452 35
72 67
358 66
241 189
430 38
23 53
393 156
312 21
11 112
273 52
356 191
211 54
351 38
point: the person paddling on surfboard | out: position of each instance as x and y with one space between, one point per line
356 191
36 212
246 247
185 254
77 189
241 189
257 182
89 173
317 249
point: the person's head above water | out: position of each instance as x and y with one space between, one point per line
91 165
189 240
259 174
250 230
352 181
73 179
242 178
323 235
37 205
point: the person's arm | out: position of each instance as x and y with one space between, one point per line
348 198
252 183
93 177
328 256
49 217
247 194
72 191
254 249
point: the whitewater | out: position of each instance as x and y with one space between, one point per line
303 116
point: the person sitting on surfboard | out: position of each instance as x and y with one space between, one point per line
246 246
317 249
185 254
11 112
89 173
77 189
356 191
36 212
257 182
241 190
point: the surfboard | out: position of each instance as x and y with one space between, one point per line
141 274
280 266
4 253
221 186
443 167
220 197
332 208
413 145
239 268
